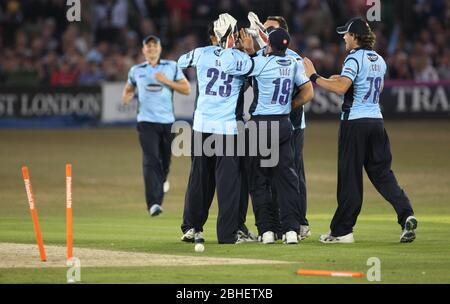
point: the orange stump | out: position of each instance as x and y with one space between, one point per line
69 211
330 273
34 214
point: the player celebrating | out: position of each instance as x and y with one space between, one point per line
155 80
219 95
297 118
274 77
363 141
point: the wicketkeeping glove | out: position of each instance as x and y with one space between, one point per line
257 30
225 28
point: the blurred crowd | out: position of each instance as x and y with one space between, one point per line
40 47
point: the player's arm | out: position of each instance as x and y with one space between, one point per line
128 93
190 59
338 84
305 88
305 95
235 62
130 88
181 86
179 82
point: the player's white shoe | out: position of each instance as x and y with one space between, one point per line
305 232
251 237
409 234
240 238
344 239
268 237
291 237
198 237
188 236
155 210
246 237
166 186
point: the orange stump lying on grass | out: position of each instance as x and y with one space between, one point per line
330 273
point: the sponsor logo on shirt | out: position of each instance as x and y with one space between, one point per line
284 62
372 57
154 87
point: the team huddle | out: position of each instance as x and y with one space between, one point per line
262 157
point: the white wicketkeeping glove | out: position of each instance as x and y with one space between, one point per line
257 30
224 28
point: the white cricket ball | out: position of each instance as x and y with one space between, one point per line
199 247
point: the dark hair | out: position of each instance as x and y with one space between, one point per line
275 49
211 30
281 21
366 41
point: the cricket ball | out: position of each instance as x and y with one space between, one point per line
199 247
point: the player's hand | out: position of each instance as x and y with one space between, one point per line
129 92
335 76
257 30
224 28
161 78
246 41
127 98
309 67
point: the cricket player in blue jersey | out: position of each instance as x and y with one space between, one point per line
275 75
155 81
363 141
297 117
218 106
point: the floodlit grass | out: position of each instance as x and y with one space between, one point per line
109 209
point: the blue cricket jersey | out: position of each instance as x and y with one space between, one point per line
366 69
274 79
155 99
297 115
219 101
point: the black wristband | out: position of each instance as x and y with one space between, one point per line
313 77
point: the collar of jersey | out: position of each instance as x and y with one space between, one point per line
281 54
157 63
359 48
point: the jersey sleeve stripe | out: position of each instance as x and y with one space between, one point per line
351 58
251 68
192 59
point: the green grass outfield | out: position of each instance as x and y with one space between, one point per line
109 209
